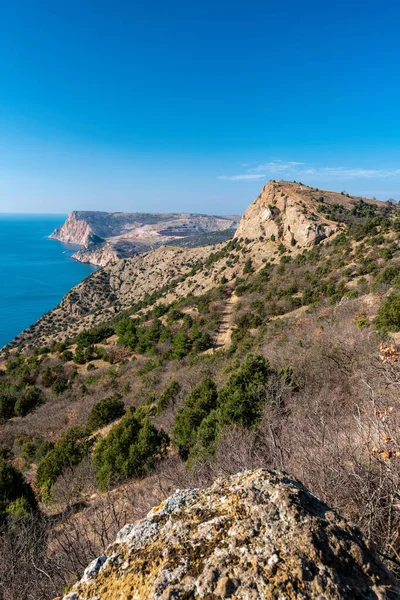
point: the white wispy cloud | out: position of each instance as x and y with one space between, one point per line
242 176
295 169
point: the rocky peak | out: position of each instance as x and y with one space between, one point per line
285 211
254 535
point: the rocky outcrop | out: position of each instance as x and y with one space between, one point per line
257 535
99 255
75 230
284 213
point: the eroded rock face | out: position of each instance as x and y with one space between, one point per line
75 230
100 255
283 211
256 535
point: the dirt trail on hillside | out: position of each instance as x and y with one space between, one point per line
224 335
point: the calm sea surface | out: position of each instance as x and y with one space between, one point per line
35 272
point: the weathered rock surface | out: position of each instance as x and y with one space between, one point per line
74 231
286 213
253 536
99 255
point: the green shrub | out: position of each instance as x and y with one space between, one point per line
88 337
16 495
206 437
149 366
248 321
202 343
48 378
59 386
174 315
105 412
71 448
55 375
125 388
197 405
33 450
30 398
58 347
79 356
390 275
241 399
129 450
241 289
388 317
248 267
182 344
169 395
7 404
91 380
66 356
361 322
126 332
14 364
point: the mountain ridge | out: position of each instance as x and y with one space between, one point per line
282 212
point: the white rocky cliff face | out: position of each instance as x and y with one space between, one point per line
73 231
281 211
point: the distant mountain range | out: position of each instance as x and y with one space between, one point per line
105 237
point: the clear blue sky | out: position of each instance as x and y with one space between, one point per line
192 106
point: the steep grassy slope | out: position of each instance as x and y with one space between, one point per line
305 378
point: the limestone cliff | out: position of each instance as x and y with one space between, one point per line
284 212
99 255
256 535
75 230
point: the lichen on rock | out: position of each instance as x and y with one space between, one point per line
256 535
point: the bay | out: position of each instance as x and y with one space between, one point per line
35 271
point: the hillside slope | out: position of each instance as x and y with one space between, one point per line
277 349
285 216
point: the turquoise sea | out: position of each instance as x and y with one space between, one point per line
35 272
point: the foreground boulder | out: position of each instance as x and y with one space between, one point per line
256 535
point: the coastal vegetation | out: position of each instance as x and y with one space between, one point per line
284 357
